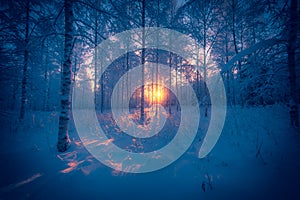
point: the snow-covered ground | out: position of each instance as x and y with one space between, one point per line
256 157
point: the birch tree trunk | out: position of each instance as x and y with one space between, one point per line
63 142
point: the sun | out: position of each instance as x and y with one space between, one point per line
154 94
158 94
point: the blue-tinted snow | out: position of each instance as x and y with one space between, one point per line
31 168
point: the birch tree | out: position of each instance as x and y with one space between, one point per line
63 142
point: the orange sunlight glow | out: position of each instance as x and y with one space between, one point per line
72 166
155 94
28 180
106 142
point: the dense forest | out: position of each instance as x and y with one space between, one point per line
32 47
38 49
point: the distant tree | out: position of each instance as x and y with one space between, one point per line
25 65
143 56
291 50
